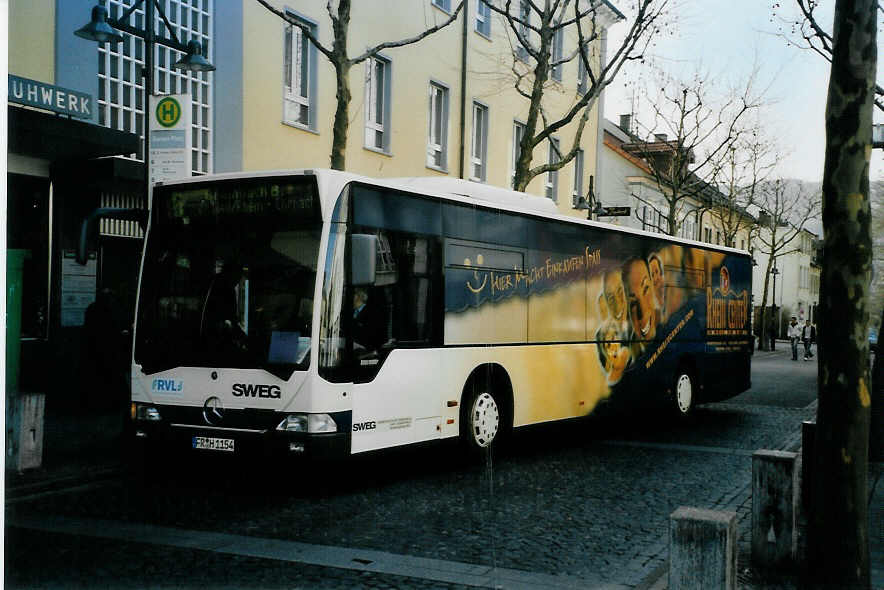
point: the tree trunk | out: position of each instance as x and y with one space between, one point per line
764 330
521 174
838 541
342 117
340 27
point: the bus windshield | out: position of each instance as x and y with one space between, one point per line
229 274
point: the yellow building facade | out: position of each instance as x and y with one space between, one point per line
427 109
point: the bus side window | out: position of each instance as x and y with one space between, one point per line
399 309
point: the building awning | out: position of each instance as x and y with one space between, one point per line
55 138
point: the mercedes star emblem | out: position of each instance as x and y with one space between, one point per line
213 411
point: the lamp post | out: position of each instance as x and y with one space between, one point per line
590 205
775 272
103 29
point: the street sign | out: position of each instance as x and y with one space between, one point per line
614 211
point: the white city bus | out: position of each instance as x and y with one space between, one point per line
318 313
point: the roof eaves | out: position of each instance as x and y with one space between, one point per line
619 15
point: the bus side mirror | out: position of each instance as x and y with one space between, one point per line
363 259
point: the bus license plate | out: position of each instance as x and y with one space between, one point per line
213 444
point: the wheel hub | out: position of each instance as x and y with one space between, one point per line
484 419
683 393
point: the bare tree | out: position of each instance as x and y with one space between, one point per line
537 30
785 211
806 31
338 56
702 132
747 165
839 509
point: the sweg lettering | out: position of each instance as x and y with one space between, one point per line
371 425
166 385
255 390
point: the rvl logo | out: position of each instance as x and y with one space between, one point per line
166 386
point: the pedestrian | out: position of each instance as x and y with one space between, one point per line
808 336
794 334
102 329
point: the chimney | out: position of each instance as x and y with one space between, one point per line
660 136
626 123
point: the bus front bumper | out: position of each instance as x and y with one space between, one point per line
194 440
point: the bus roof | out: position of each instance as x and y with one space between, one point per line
332 182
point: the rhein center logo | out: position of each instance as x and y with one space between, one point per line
168 112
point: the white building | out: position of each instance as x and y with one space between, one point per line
797 280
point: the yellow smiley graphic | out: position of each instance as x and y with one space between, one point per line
479 260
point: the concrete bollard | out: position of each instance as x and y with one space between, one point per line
702 549
24 431
773 508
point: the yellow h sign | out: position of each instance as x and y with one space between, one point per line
168 112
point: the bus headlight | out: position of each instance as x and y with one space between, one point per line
312 423
148 413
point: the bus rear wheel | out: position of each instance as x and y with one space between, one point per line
481 419
684 393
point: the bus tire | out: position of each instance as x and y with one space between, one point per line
483 419
684 392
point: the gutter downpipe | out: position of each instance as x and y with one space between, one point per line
600 123
463 85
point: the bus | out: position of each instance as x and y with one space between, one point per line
321 314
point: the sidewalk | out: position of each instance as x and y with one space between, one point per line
750 578
77 448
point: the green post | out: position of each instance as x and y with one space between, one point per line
15 260
24 411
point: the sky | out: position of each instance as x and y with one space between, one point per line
725 38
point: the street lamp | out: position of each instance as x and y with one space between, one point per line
591 205
101 28
775 272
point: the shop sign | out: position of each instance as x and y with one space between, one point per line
53 98
77 287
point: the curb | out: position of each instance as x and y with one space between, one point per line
17 491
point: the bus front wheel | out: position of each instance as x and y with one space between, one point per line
684 392
481 422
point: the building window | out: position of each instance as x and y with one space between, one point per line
577 191
718 237
443 4
552 177
377 107
483 18
518 132
525 18
689 226
437 143
299 65
557 51
121 100
707 235
479 153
